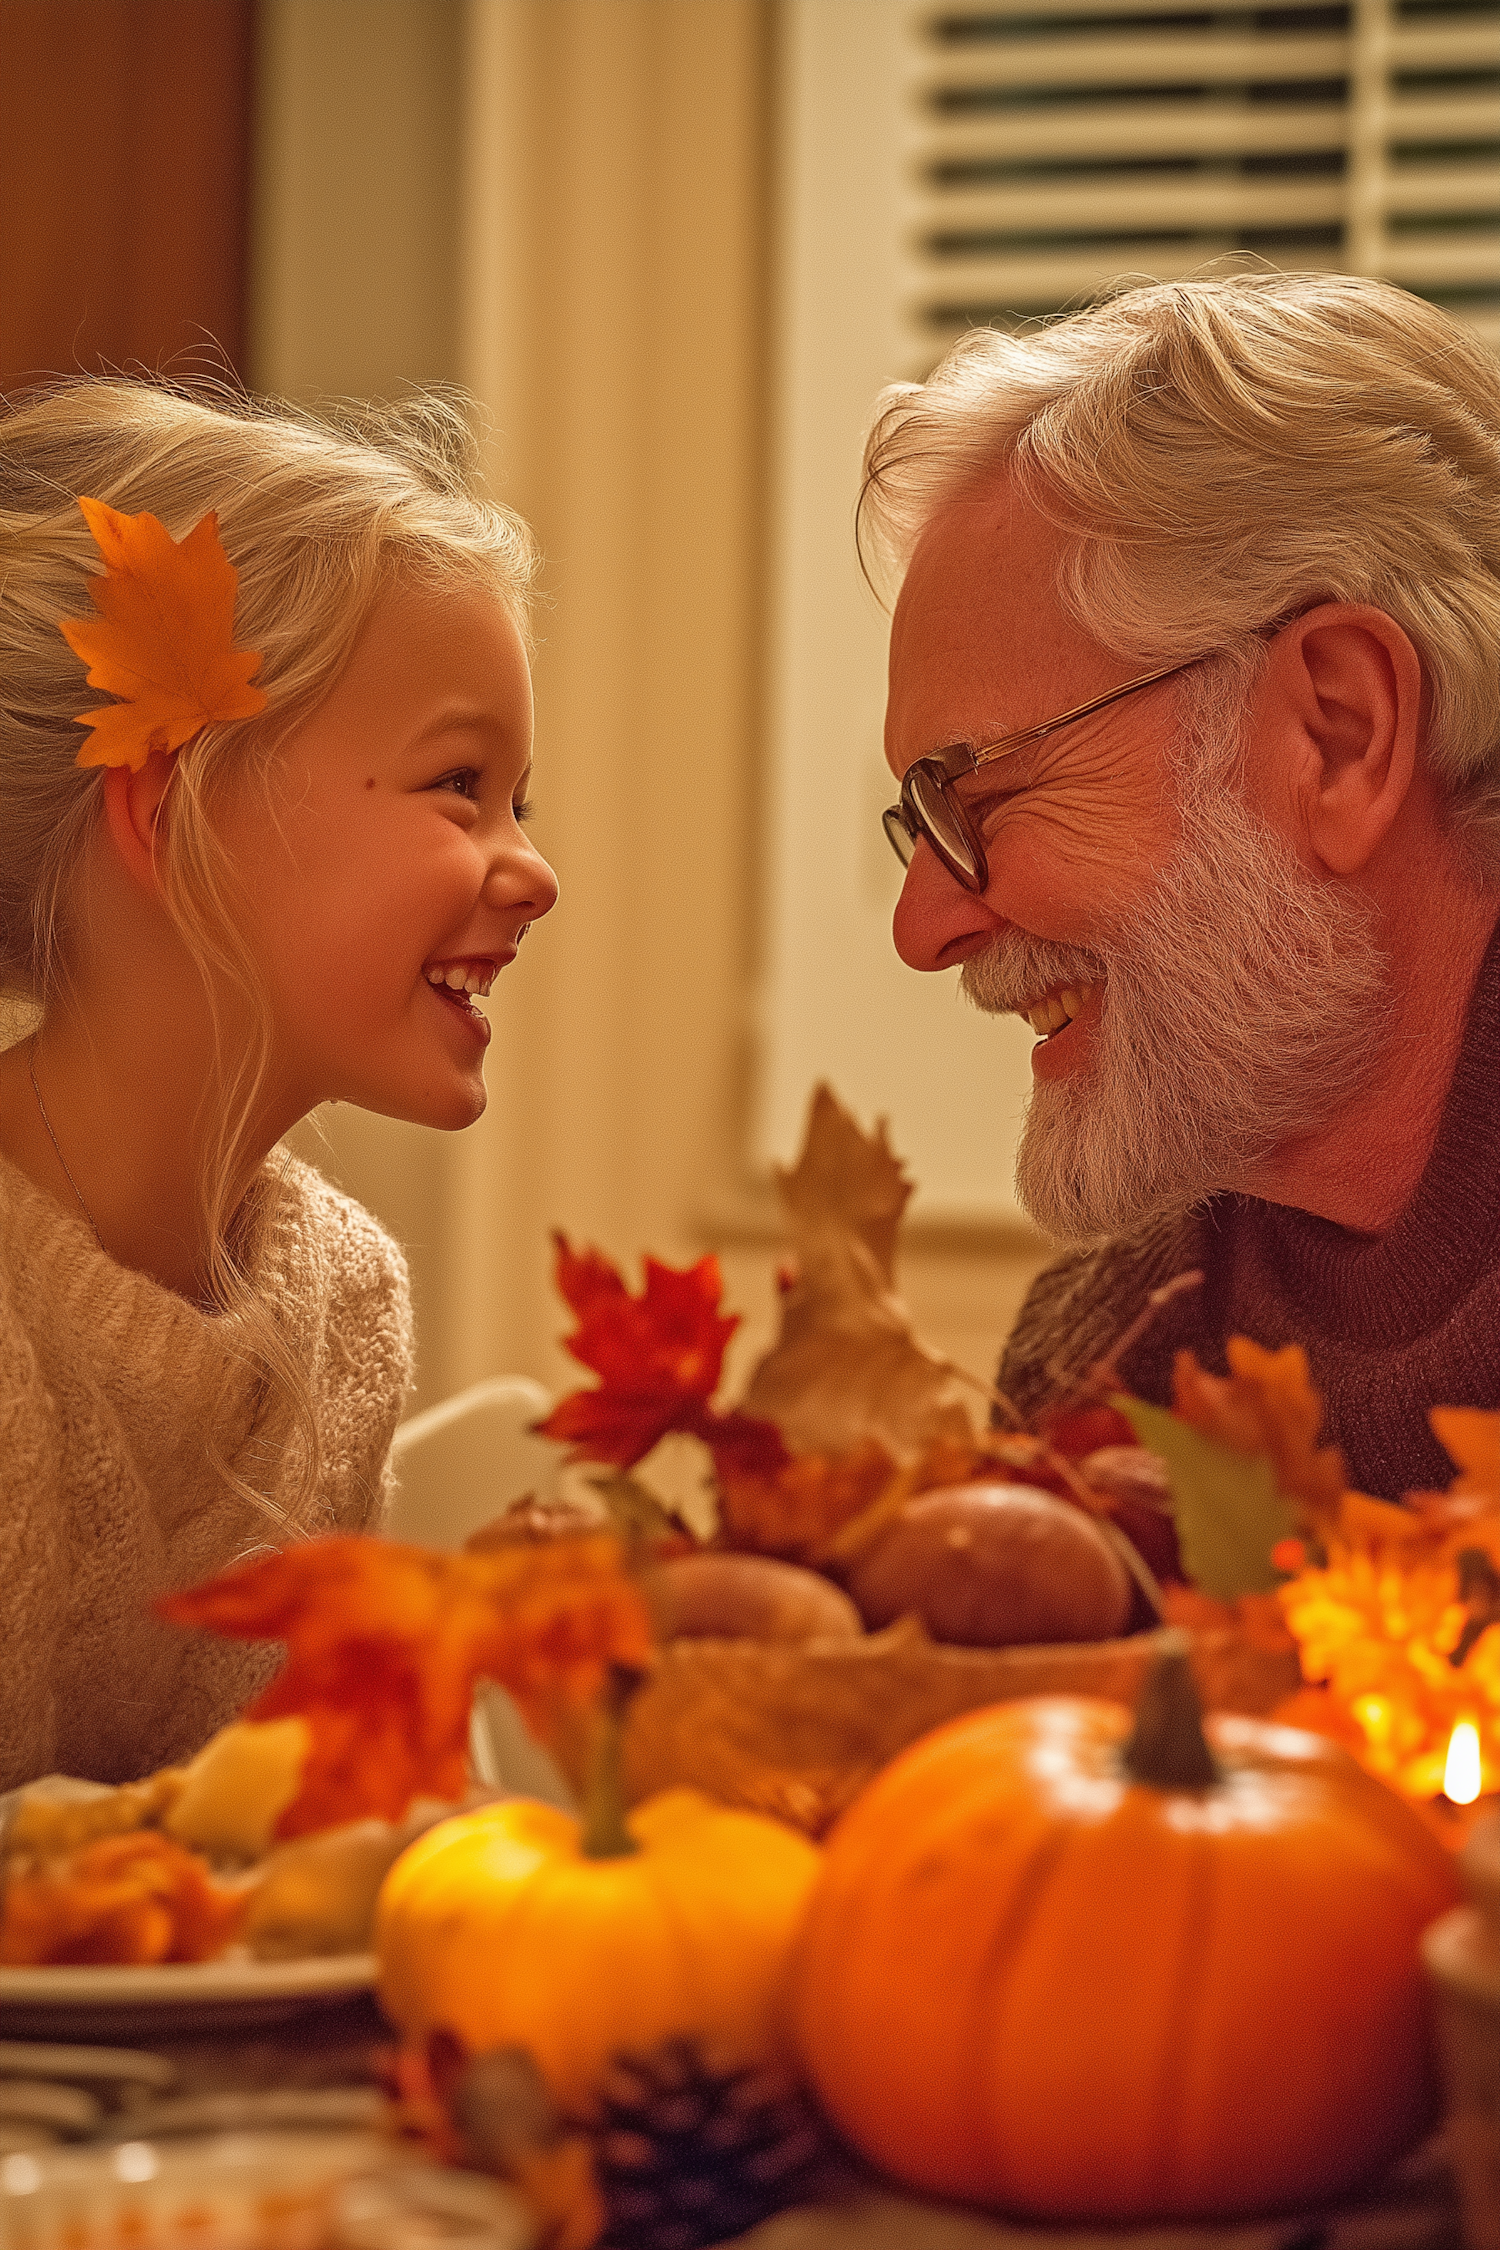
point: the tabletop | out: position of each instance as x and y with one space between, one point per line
323 2069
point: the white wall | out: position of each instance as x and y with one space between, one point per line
593 178
835 1002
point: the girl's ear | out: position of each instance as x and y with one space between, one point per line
132 806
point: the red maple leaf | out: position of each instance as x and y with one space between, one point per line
659 1357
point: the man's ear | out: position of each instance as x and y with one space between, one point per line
132 806
1355 683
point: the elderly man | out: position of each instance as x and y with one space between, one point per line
1195 703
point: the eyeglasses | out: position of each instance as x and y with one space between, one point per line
928 806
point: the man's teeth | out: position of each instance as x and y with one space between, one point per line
460 979
1049 1015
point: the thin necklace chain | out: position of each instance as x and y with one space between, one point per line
57 1152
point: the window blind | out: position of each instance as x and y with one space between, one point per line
1053 147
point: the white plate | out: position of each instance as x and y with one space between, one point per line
176 1997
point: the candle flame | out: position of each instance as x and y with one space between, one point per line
1461 1775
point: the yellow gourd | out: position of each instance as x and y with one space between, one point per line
518 1925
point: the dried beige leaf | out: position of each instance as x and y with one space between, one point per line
848 1364
847 1177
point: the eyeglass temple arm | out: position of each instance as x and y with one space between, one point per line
1009 742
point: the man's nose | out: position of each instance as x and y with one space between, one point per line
937 923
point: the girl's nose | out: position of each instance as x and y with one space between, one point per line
522 878
937 923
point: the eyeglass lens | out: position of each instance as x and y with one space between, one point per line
945 828
902 842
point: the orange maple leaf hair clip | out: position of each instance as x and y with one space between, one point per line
164 640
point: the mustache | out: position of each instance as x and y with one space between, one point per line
1243 1002
1015 969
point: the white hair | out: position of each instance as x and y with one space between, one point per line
1223 454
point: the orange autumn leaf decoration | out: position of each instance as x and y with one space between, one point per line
1395 1613
1266 1404
1257 1618
796 1509
164 640
1468 1512
1470 1435
386 1642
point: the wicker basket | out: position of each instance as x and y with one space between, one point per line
798 1729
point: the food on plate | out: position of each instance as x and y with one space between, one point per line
306 1800
317 1894
236 1789
95 1905
59 1815
578 1940
988 1565
1105 1969
136 1899
748 1597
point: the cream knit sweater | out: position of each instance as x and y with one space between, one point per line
107 1383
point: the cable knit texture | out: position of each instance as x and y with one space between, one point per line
108 1383
1392 1324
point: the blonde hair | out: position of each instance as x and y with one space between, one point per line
1225 453
319 517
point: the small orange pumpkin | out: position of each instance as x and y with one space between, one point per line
1086 1974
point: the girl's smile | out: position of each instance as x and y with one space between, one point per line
389 851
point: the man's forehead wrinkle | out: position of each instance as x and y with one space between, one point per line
982 643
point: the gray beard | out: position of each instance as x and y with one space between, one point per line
1244 1003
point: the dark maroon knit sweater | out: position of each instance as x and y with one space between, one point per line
1392 1323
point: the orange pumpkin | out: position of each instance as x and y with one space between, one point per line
1086 1974
514 1926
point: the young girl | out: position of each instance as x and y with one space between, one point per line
220 912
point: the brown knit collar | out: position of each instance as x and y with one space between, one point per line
1390 1288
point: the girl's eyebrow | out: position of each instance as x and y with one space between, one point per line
461 719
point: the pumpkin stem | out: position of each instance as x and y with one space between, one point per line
605 1835
1167 1749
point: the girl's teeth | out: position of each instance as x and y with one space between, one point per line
459 979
